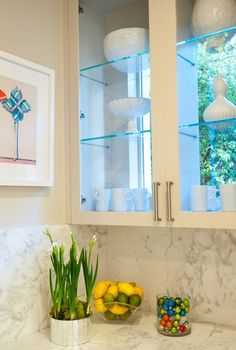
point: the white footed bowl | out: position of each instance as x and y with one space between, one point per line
129 107
125 42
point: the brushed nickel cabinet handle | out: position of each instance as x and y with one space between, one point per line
154 200
169 201
157 201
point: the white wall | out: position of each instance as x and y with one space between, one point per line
33 30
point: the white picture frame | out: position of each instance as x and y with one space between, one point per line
27 104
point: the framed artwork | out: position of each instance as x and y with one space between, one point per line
27 98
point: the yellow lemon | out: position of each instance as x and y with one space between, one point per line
118 309
113 289
138 290
126 288
133 284
99 305
100 289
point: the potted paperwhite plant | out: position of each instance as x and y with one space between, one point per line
70 316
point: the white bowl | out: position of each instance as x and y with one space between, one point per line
125 42
129 107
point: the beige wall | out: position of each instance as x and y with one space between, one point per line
33 30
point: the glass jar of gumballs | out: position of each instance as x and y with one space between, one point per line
173 314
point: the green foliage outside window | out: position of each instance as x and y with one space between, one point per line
217 146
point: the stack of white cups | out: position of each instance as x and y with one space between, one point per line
204 198
122 199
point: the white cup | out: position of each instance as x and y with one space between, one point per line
228 197
141 197
211 198
103 199
203 198
121 199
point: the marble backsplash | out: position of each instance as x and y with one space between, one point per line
196 262
201 263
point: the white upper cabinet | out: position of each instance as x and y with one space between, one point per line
151 132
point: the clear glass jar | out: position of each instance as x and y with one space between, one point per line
173 314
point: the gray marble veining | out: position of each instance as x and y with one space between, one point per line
141 336
200 263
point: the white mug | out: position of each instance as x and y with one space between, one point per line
121 198
141 197
103 198
228 197
211 198
203 198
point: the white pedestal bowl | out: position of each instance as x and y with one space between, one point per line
130 108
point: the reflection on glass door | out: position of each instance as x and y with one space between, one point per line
115 134
207 121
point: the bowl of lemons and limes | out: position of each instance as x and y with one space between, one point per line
117 300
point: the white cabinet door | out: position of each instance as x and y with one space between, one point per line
113 126
200 146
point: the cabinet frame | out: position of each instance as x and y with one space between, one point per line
164 114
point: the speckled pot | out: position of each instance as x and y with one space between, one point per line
213 15
70 332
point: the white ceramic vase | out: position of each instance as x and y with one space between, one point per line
213 15
70 333
220 108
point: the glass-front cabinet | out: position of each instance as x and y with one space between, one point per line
115 135
153 138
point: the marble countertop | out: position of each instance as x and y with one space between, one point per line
141 335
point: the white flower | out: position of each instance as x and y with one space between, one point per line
53 245
94 237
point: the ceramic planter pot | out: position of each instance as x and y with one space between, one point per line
70 332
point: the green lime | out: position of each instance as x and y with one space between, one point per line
109 315
108 299
125 316
135 300
122 298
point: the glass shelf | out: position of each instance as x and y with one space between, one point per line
223 122
203 37
222 127
107 63
122 134
139 55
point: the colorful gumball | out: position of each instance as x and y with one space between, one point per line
165 307
182 313
186 302
169 324
173 330
162 323
177 309
166 317
170 312
175 323
177 317
182 329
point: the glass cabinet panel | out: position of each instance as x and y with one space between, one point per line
115 127
206 67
